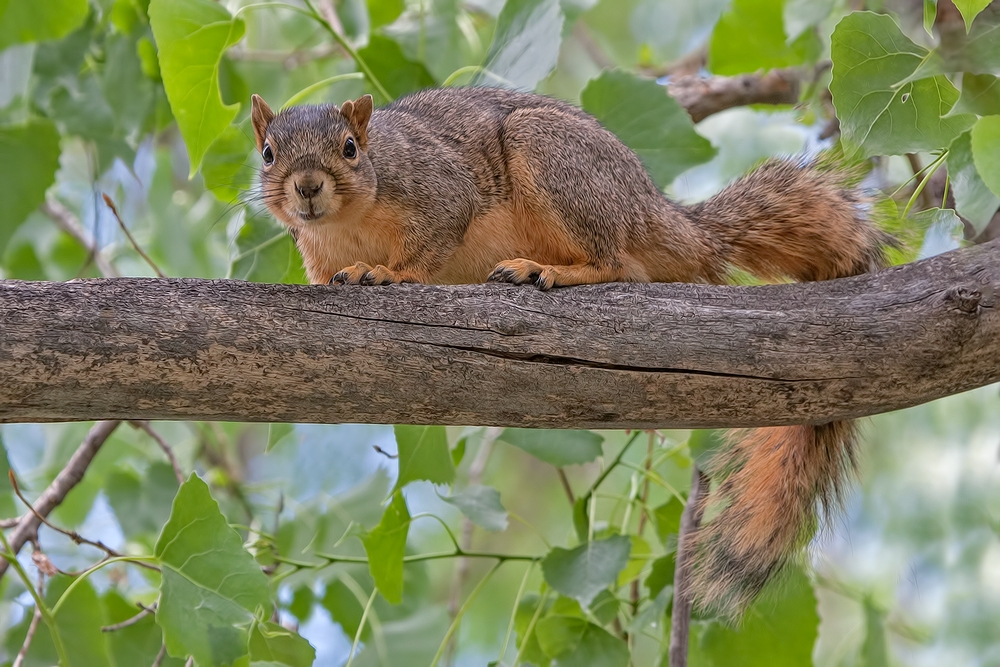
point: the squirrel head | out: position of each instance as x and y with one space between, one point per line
314 159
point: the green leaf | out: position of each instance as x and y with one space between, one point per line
558 447
384 12
274 645
596 648
875 651
530 650
667 518
23 181
423 454
228 165
776 631
78 623
560 634
986 151
482 505
267 253
976 53
32 21
980 95
458 452
386 546
394 70
525 45
344 607
970 9
751 36
973 199
604 607
191 36
585 571
138 643
930 15
210 585
141 503
800 15
871 56
662 574
8 507
648 121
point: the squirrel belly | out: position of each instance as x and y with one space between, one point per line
464 185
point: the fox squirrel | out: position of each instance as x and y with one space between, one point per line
465 185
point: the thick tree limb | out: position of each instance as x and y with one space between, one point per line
615 355
68 477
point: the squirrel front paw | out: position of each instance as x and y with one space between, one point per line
524 272
363 274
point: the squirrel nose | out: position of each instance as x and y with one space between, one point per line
308 189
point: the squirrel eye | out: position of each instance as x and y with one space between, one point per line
267 154
350 150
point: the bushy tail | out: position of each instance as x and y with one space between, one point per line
796 220
785 220
767 507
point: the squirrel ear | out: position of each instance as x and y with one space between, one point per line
358 113
260 117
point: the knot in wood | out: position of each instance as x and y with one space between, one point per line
965 299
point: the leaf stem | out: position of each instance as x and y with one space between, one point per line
86 573
513 613
461 612
344 44
47 615
319 85
933 167
361 627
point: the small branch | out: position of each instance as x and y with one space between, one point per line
35 620
680 620
384 453
64 482
704 96
69 223
146 611
71 534
161 656
128 234
566 486
164 445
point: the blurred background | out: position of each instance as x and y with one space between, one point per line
908 575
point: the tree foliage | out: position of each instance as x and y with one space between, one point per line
300 544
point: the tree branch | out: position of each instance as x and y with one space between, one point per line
703 96
680 619
64 482
597 356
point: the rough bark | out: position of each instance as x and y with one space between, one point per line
614 355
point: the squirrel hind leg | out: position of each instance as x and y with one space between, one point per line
547 276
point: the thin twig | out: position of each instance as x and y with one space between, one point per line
70 224
56 492
566 486
164 445
288 61
146 611
160 656
384 453
680 620
71 534
128 234
35 620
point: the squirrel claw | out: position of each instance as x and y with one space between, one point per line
523 272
